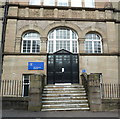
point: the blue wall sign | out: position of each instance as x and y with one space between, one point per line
83 71
35 65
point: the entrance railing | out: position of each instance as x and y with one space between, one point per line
110 91
11 88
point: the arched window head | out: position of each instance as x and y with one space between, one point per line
34 2
62 38
31 42
62 2
49 2
89 3
93 43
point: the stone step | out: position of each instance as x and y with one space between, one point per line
65 98
63 91
63 86
59 95
64 101
64 105
67 109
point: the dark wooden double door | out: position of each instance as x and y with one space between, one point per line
63 67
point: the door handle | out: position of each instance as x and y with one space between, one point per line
63 70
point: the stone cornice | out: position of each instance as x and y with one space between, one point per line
65 19
81 54
62 13
61 7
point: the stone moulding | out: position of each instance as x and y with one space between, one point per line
56 13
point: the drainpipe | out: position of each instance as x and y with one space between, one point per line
2 40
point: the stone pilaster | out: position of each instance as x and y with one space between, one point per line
13 11
18 45
111 37
109 14
26 12
81 45
10 35
55 12
41 12
43 44
105 46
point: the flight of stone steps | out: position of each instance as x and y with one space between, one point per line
64 97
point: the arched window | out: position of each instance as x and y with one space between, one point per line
76 3
34 2
93 43
49 2
31 42
62 2
89 3
62 38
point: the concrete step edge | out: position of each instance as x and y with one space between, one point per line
64 91
85 97
62 101
64 86
59 105
63 109
63 94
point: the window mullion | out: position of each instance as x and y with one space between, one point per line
101 46
31 46
26 46
54 41
78 45
93 49
71 48
22 46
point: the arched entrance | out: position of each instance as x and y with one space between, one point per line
63 67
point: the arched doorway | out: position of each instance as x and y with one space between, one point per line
63 65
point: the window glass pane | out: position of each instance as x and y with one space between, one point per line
26 84
62 33
49 2
88 46
62 37
74 46
35 46
31 35
62 2
51 35
93 43
97 47
76 3
26 46
74 35
62 45
89 3
34 2
31 42
50 50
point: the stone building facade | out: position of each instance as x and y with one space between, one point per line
1 16
94 28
